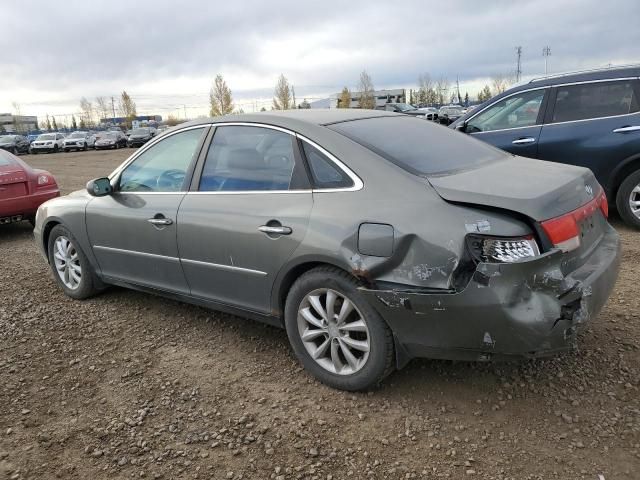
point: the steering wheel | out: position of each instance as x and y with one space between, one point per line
170 179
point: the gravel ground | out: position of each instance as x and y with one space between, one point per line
130 385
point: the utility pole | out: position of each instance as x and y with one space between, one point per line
518 65
458 87
546 51
113 109
293 94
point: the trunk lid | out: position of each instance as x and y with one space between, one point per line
535 188
538 189
13 180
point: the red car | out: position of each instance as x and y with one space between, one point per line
23 189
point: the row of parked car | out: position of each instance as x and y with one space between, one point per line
79 140
444 115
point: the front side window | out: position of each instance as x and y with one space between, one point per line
163 167
594 100
519 110
325 173
247 158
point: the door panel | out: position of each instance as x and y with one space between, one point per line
130 248
520 141
225 256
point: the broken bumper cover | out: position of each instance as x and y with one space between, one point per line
525 309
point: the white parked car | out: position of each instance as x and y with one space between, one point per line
48 142
79 141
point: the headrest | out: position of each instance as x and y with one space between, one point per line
245 159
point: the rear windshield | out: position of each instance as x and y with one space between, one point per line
418 146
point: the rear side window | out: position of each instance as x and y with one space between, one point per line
325 173
594 100
418 146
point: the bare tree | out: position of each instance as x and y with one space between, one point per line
172 121
282 95
501 82
17 117
345 98
441 89
102 107
220 99
86 112
425 89
365 88
127 107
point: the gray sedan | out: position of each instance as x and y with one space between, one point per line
372 237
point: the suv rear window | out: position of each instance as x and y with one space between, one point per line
418 146
594 100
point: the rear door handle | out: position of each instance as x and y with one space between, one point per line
160 221
630 128
524 141
275 230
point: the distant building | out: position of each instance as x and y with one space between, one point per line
398 95
17 123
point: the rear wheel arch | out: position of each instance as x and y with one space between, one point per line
286 281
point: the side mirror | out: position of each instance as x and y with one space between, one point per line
99 187
462 127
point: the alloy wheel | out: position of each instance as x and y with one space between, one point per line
333 331
634 201
67 262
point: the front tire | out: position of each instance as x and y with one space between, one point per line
71 269
55 149
335 333
628 200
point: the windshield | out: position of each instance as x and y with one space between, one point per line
77 135
140 131
419 147
46 136
404 107
6 138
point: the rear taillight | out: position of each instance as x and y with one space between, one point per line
564 231
502 249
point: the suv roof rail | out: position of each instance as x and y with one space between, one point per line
600 69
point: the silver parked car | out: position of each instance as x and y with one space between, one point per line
79 141
372 237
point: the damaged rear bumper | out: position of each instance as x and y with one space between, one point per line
526 309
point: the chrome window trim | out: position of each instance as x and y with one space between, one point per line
224 267
507 129
358 184
618 79
550 124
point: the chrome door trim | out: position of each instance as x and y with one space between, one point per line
224 267
505 129
136 253
630 128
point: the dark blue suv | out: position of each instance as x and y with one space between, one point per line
591 119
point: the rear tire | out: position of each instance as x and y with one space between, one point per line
628 192
352 368
71 269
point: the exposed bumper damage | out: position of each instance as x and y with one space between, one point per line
525 309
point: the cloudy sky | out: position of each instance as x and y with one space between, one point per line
165 53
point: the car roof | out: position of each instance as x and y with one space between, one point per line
293 119
586 76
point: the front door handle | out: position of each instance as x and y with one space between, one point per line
630 128
524 141
275 230
160 221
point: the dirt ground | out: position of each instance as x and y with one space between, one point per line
128 385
